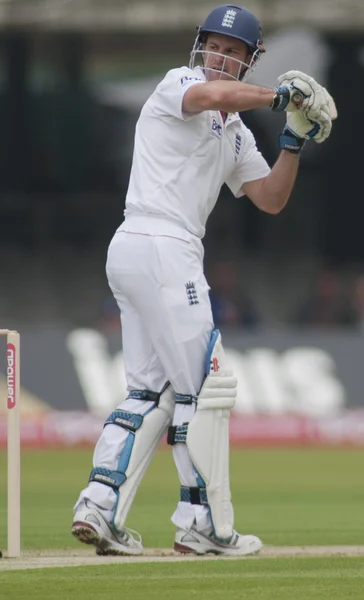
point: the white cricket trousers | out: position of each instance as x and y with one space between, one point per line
155 271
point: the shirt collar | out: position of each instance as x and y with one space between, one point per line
232 118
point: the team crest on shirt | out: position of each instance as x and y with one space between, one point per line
216 128
237 146
191 293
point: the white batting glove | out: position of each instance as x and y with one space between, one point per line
317 128
299 129
298 91
314 107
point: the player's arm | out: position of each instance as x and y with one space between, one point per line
296 89
229 96
270 194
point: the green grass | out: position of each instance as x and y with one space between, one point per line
273 579
286 496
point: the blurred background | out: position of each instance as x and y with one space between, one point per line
287 291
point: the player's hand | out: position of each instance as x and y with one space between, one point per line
299 129
298 91
313 108
315 127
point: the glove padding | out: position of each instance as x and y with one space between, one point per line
317 128
315 98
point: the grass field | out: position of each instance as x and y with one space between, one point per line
287 497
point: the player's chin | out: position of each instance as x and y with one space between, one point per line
212 75
227 77
215 75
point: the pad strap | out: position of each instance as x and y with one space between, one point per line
113 479
194 495
186 399
125 419
177 434
144 395
131 422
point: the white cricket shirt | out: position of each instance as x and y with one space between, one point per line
181 161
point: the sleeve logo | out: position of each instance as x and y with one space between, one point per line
186 79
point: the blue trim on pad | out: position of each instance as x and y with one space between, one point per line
214 335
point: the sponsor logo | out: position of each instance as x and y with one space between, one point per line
216 128
191 293
185 79
105 479
298 380
229 18
215 365
11 375
124 423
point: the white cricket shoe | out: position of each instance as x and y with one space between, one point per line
198 543
90 527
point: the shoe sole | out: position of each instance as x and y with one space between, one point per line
187 550
86 534
196 549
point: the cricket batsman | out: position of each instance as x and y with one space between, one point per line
189 141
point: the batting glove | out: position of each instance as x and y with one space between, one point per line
289 140
317 128
298 91
314 108
299 128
